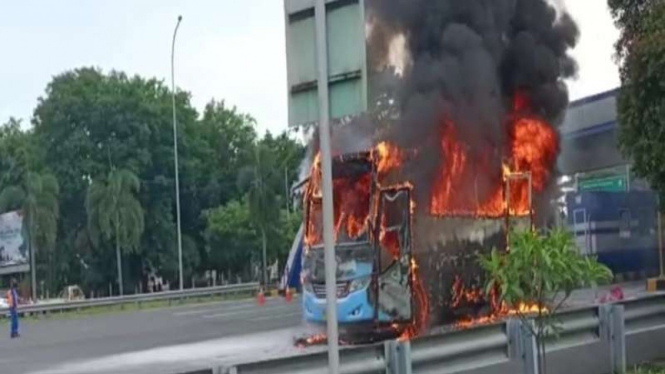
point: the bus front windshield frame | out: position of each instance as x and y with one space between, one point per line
353 261
352 207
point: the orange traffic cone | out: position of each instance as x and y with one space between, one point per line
288 295
261 298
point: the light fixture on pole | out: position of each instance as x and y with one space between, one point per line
175 158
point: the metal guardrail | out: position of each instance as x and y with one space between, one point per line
135 299
644 313
449 353
506 347
576 327
369 359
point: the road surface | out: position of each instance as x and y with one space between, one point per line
175 339
72 344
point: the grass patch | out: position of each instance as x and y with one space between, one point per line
132 307
649 369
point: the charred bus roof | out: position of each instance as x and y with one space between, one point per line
352 165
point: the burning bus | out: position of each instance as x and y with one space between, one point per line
477 90
400 268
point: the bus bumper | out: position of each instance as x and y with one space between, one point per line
351 309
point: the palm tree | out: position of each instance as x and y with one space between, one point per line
115 213
262 181
38 199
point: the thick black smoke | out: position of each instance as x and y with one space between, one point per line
468 60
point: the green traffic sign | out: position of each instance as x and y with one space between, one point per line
608 184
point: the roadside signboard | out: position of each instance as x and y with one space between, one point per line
14 255
615 183
346 47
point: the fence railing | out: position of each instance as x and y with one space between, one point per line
591 339
138 299
369 359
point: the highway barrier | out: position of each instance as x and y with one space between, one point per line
601 339
138 299
359 360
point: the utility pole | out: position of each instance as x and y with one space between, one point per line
258 175
175 158
327 188
660 241
33 266
286 193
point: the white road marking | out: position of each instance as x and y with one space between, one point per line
211 310
246 312
220 307
263 318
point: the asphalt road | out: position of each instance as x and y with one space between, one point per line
69 344
174 339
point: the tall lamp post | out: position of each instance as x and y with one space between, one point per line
175 158
327 186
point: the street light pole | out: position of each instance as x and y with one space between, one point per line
327 188
175 152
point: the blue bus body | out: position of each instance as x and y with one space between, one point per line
373 263
620 228
291 277
353 299
353 292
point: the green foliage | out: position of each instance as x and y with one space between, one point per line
89 124
18 154
641 102
648 369
232 238
540 270
113 210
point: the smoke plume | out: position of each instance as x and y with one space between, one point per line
465 62
468 60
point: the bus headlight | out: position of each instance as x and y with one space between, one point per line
359 284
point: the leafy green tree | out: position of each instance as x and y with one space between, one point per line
114 212
232 240
540 270
17 154
214 149
266 181
641 102
262 181
37 198
88 121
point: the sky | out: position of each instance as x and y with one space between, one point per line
225 49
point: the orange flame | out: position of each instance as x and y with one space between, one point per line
468 182
455 190
311 340
461 294
389 157
522 309
351 205
533 149
534 146
421 302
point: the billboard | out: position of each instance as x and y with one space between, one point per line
347 65
14 254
